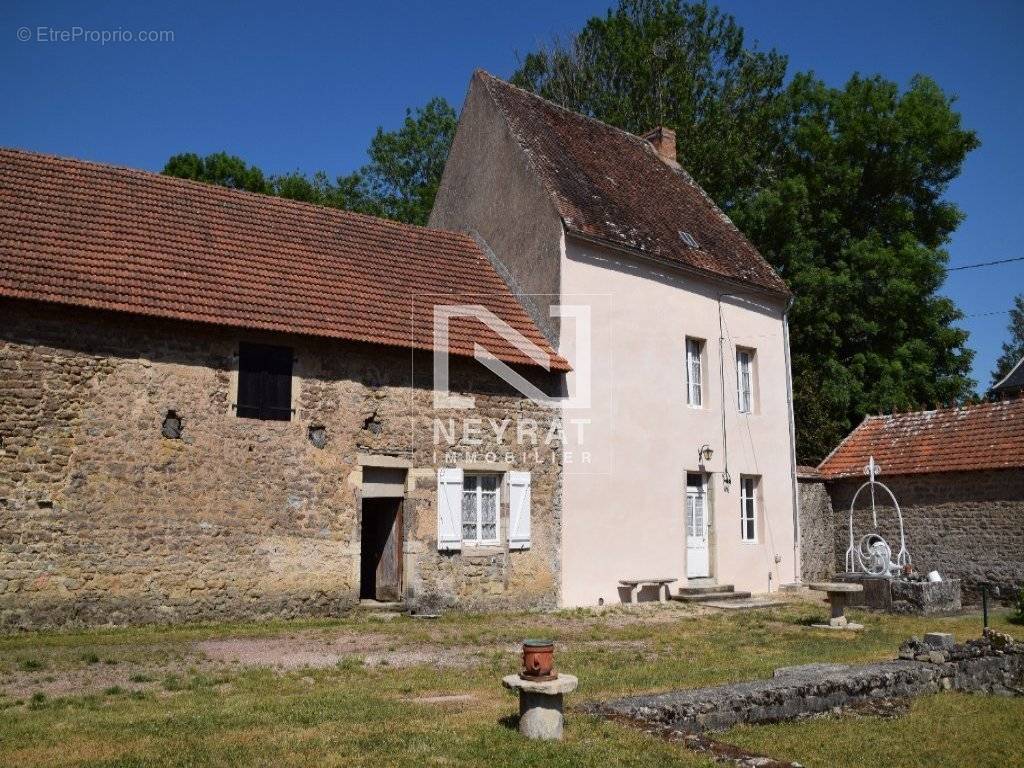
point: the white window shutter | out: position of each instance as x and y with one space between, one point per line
449 509
519 510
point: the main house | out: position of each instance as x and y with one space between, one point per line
683 466
215 404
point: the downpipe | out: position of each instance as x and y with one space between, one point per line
792 442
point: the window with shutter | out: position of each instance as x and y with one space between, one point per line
519 510
449 506
264 382
481 502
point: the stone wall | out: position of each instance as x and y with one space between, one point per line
966 525
979 666
102 519
817 537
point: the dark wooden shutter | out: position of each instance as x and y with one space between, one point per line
265 382
277 382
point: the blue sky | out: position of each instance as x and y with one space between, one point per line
303 86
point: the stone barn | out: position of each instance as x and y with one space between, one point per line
219 405
958 476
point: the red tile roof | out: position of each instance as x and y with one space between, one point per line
100 236
612 186
974 437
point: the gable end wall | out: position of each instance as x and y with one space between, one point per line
489 190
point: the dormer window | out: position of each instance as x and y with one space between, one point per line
688 239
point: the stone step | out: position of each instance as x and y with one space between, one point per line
373 606
706 597
704 589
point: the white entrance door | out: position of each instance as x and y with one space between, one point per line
698 561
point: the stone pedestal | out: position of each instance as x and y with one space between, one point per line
540 704
838 593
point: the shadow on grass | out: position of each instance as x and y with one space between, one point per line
509 721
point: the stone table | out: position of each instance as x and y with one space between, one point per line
540 704
837 594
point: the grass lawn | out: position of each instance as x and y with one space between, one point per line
362 691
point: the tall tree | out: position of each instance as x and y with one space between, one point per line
855 220
400 181
1013 349
665 62
840 188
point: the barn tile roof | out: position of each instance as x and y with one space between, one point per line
974 437
612 186
100 236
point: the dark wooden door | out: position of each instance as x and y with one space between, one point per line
381 566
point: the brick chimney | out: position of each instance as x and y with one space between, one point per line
664 142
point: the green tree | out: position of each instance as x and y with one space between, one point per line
840 188
400 181
855 220
219 168
665 62
1013 350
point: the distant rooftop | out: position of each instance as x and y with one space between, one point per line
1012 383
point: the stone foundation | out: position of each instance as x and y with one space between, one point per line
994 664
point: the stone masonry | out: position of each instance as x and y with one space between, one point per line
104 519
966 525
993 664
817 538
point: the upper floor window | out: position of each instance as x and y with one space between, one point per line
481 502
264 382
748 509
745 380
694 372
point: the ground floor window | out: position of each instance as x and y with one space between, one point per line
480 505
748 508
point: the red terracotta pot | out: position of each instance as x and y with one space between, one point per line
538 659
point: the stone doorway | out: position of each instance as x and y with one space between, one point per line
380 566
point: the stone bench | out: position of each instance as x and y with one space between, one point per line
635 585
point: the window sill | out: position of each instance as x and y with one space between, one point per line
474 544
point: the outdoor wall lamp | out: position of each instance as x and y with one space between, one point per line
704 453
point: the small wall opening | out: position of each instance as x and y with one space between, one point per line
172 426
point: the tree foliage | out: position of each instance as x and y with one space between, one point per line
840 188
855 220
661 62
400 181
1013 349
